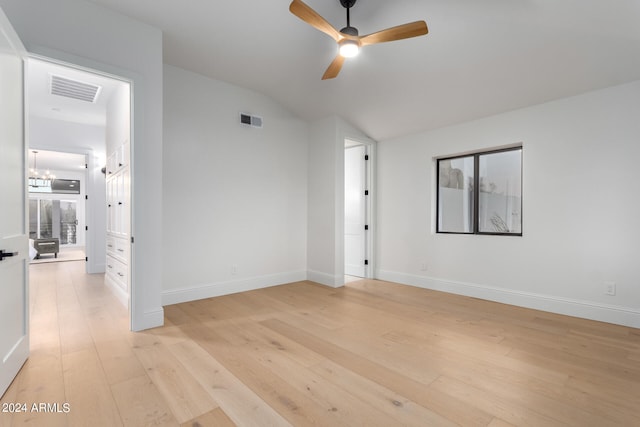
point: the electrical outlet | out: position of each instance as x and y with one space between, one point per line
234 269
610 288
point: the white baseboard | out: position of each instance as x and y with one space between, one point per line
325 278
619 315
192 293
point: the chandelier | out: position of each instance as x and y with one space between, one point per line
37 179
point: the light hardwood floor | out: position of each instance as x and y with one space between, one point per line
370 354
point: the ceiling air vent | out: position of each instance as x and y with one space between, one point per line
74 89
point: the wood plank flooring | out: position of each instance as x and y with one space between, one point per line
370 354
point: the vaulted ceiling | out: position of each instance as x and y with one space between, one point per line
479 58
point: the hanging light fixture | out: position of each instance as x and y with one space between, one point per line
36 179
349 47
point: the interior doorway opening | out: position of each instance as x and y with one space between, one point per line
57 206
83 115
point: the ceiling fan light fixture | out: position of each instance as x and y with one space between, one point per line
349 48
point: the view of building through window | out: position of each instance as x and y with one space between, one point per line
480 193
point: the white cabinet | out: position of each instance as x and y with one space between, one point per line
118 203
118 220
118 159
117 274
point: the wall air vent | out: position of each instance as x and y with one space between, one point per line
249 120
62 86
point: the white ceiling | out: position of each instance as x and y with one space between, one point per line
43 104
480 57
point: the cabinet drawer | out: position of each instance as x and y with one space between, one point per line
111 267
111 245
118 273
122 249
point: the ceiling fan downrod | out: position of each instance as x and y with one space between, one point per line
352 31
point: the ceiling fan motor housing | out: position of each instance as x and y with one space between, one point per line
347 3
351 31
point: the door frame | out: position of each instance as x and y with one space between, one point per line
370 202
73 62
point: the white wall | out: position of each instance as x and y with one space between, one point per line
118 129
234 197
580 209
85 34
57 135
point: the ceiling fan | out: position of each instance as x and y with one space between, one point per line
348 40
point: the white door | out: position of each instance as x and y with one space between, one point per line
14 316
354 211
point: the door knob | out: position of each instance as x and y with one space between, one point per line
4 254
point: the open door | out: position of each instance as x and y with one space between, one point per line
14 248
355 207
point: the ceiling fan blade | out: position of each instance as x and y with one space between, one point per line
311 17
413 29
334 68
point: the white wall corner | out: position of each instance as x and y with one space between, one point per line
96 267
149 319
333 281
619 315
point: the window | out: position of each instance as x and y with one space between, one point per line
496 208
53 218
56 185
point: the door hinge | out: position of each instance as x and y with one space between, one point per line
86 166
86 197
366 192
366 262
366 157
86 259
132 239
86 228
366 227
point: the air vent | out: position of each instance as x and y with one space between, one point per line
62 86
249 120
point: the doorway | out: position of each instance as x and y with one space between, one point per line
57 204
358 208
75 111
